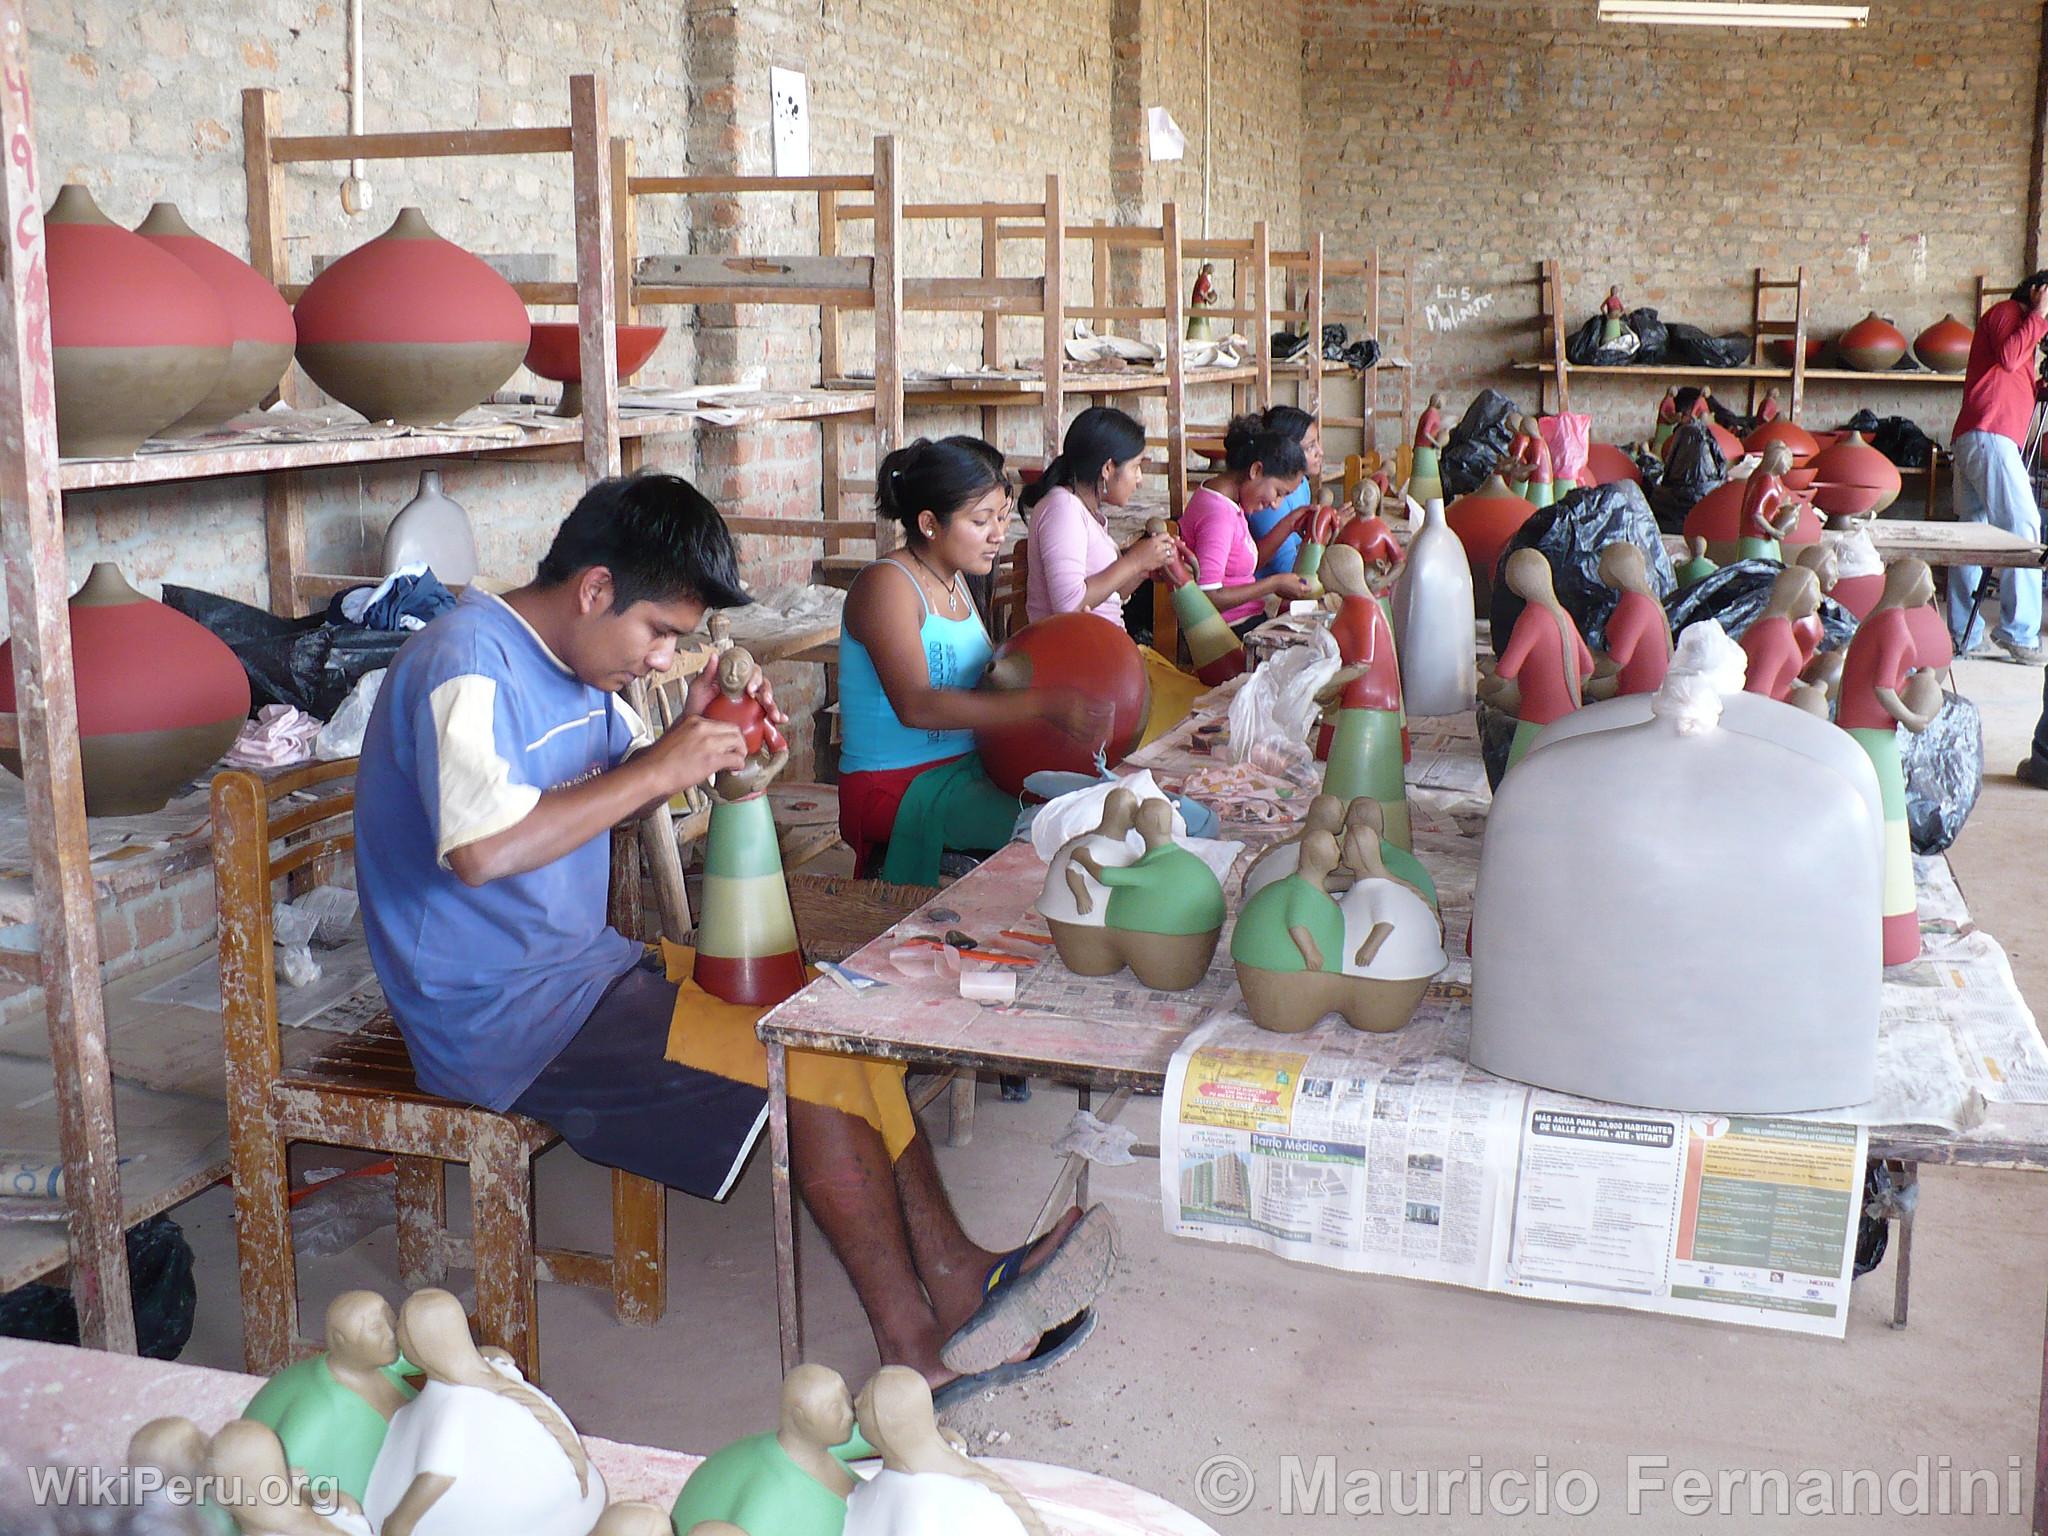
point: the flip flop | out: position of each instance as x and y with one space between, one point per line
1020 1305
1054 1347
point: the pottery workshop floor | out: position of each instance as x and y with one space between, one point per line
1205 1351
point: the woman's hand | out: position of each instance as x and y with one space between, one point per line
1152 555
1287 586
1085 718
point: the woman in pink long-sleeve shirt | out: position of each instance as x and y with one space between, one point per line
1073 565
1261 465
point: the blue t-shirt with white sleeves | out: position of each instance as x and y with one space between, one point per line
1262 524
476 719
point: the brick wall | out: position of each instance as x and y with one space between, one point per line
1476 138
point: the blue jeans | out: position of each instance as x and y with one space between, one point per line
1992 487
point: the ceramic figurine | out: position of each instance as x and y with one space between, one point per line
479 1450
1483 522
786 1483
1591 970
1773 647
178 1450
259 321
926 1487
1202 299
332 1411
1165 908
1546 657
719 628
1770 410
1393 943
1319 528
1611 311
1697 567
1638 632
635 1517
1433 620
1425 475
1365 746
1364 816
1667 419
248 1475
137 338
1530 474
1074 904
1703 404
1767 514
747 947
433 530
1215 650
1875 698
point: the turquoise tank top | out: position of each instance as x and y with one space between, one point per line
873 740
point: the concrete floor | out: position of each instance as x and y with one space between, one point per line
1206 1352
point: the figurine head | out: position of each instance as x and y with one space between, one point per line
362 1330
1795 594
1362 855
1155 822
1318 858
1622 568
1365 500
1771 393
816 1406
1528 577
1777 457
1343 575
735 671
1614 290
1907 584
433 1333
1208 269
1695 546
1825 563
1325 814
1365 814
1436 400
895 1413
250 1479
173 1446
1119 815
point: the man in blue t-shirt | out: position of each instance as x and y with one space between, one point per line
496 762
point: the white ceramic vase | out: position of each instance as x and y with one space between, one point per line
1433 621
432 528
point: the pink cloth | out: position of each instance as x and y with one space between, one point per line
1068 545
1570 438
1216 529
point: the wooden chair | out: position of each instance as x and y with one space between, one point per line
1012 592
360 1092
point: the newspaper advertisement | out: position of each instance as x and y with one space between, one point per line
1386 1154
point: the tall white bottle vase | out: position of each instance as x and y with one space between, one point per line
1433 621
432 528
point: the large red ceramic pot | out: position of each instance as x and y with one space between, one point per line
1779 350
1790 433
1945 345
137 337
259 321
556 352
1730 444
1484 520
1872 345
1065 650
160 698
1852 478
1608 465
410 328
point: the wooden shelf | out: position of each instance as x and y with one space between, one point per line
1677 371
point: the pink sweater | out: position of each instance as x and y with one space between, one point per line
1068 545
1216 529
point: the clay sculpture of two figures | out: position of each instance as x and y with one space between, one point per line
1158 911
1546 659
791 1482
1528 465
1328 814
1425 475
1884 685
1638 632
1213 647
1301 952
1365 741
747 949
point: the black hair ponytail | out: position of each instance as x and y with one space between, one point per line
937 477
1248 440
1099 436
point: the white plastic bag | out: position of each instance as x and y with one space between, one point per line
1070 815
1273 718
343 735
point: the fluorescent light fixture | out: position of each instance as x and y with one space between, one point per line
1732 13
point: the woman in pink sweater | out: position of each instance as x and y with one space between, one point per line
1261 465
1073 565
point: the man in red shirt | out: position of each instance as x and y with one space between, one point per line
1992 484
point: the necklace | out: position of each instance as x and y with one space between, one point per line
946 588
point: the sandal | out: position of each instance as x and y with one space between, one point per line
1054 1347
1021 1305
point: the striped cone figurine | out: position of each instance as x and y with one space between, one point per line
1365 742
1213 647
1322 528
747 950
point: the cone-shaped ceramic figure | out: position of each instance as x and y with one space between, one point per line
332 1411
1081 651
409 327
160 697
1872 345
1308 560
1546 657
1213 647
1638 632
1074 904
1766 518
259 321
1883 687
1773 646
137 338
1945 345
747 949
1365 746
784 1481
1667 419
1484 521
1696 566
1165 907
1425 475
1433 621
1534 476
433 530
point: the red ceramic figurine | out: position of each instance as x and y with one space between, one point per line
1546 656
1775 650
1638 633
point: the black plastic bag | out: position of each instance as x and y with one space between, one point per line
1479 439
1287 345
1571 534
1583 349
1496 741
1944 768
1900 439
159 1279
1653 337
307 663
1693 466
1693 347
1737 595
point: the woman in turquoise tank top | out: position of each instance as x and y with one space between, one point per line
912 650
